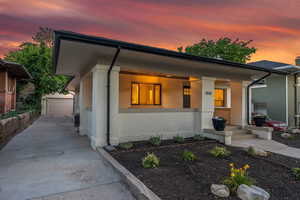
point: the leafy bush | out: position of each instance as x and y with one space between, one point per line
11 114
291 137
188 156
198 137
127 145
150 161
296 172
251 151
155 140
238 176
178 139
220 152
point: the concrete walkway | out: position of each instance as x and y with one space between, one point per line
50 161
268 145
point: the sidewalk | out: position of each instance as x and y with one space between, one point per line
268 145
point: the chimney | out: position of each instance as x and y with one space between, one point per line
297 60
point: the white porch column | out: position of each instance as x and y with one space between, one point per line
244 103
207 103
98 136
114 106
82 128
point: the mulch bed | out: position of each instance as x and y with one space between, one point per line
175 179
292 142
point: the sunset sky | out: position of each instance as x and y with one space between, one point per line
274 25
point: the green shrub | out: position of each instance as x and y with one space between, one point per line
155 140
198 137
251 151
220 152
238 176
188 156
150 161
178 139
296 172
127 145
291 137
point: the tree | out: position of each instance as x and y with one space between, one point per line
37 59
224 48
45 35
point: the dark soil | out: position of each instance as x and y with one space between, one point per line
292 142
175 179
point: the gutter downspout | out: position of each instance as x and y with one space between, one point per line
248 94
108 95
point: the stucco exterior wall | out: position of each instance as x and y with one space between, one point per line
141 126
139 122
236 103
196 93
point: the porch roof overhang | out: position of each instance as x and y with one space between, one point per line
75 54
15 69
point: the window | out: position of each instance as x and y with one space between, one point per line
220 97
145 94
186 96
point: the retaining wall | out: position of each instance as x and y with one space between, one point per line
11 126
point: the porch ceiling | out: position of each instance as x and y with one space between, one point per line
76 54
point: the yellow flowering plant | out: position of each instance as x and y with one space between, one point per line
238 176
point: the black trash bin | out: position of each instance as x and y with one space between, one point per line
219 123
259 120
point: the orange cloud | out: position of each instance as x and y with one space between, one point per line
167 24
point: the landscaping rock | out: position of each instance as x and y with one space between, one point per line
285 135
220 190
245 192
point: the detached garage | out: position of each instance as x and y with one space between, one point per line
57 105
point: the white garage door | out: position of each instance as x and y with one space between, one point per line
59 107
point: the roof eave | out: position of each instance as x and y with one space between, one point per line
71 36
20 67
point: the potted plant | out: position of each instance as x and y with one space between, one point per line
219 123
259 120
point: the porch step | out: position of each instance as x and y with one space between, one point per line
242 135
233 128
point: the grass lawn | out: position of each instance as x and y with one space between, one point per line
176 179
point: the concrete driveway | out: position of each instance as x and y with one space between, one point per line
50 161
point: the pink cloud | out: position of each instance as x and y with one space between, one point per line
273 25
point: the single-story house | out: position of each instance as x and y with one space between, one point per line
57 105
128 92
278 96
9 74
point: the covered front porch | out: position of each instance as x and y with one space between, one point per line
131 92
145 104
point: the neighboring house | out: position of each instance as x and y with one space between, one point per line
9 73
278 96
128 92
57 105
